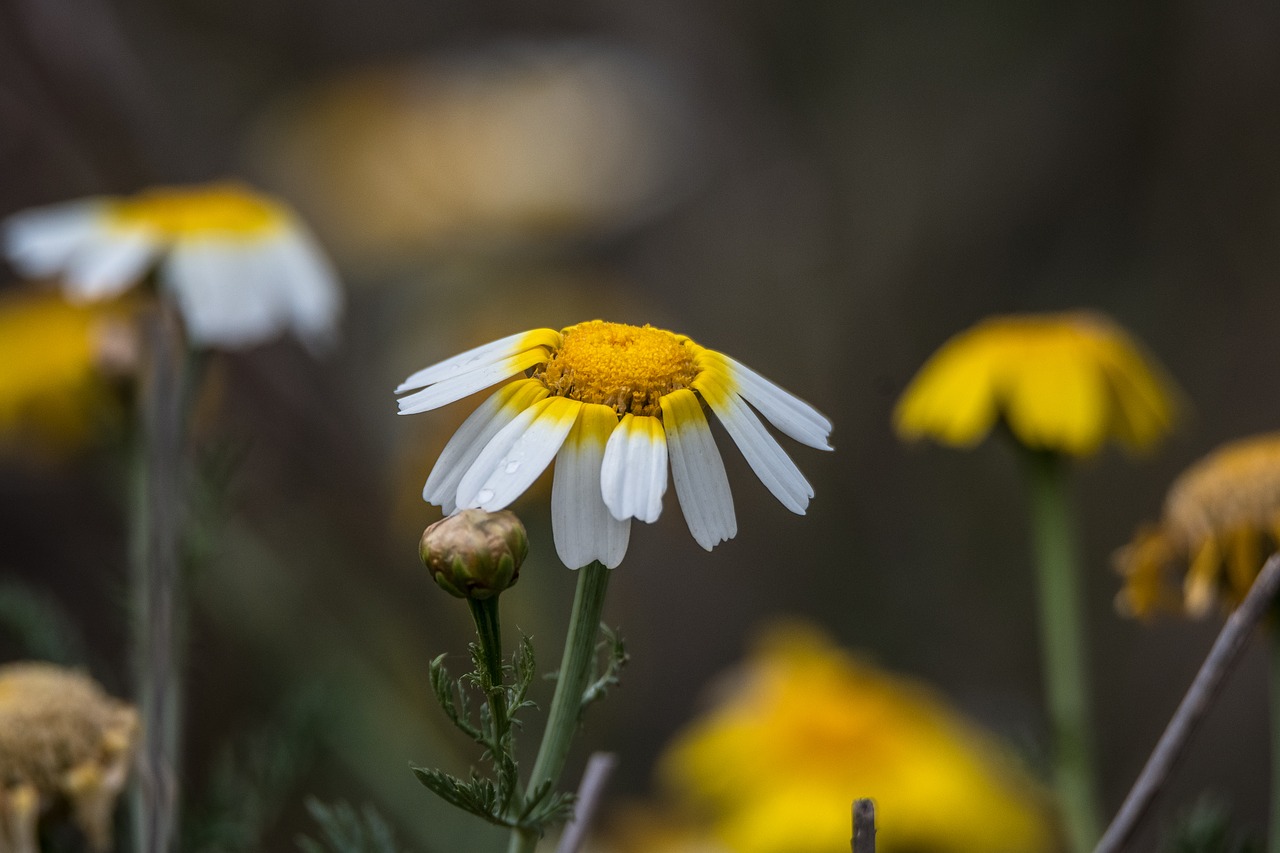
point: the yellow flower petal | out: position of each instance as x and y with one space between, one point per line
1064 383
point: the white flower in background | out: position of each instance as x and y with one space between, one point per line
612 404
240 266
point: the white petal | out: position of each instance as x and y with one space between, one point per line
481 356
634 474
450 390
477 431
698 472
514 458
763 453
583 527
39 242
104 265
227 291
783 409
310 284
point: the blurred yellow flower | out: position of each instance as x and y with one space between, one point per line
52 355
806 729
517 143
63 742
240 266
1061 382
1221 518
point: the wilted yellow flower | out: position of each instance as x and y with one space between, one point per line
52 360
807 729
1221 519
62 740
1062 382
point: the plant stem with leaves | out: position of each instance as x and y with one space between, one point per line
572 690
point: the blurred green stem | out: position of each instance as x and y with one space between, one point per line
157 623
1062 639
566 704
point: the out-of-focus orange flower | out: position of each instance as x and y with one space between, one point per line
54 361
518 143
806 729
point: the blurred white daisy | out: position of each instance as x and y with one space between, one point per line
240 266
612 404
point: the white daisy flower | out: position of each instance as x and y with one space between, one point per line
240 266
612 404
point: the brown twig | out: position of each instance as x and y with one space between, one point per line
1226 650
599 768
864 826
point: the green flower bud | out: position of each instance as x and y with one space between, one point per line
475 554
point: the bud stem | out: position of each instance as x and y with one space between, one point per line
489 630
566 703
1062 633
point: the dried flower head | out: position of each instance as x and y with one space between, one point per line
1061 382
1221 519
62 739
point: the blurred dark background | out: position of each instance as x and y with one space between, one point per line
825 190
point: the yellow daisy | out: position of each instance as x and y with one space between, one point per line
1062 382
52 360
240 266
805 729
613 404
1221 518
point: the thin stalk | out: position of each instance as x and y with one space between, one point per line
1273 831
566 703
1062 640
156 588
1191 710
489 630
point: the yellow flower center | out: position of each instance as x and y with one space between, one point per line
629 368
225 209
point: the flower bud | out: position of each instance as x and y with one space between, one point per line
475 554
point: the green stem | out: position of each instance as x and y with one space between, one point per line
1062 633
489 630
156 589
1273 634
566 704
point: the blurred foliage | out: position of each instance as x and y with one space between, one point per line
347 831
42 627
1207 828
252 780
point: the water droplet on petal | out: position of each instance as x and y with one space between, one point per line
512 467
484 496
